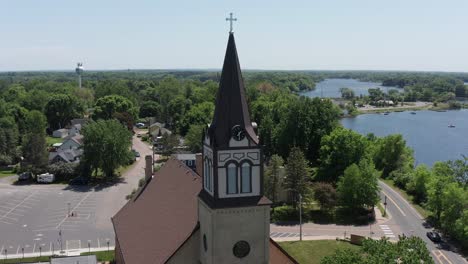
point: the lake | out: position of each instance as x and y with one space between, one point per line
427 132
331 87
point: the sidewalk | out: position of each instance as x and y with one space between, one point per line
68 253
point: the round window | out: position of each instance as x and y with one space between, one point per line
241 249
204 243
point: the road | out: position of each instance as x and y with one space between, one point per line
34 218
406 220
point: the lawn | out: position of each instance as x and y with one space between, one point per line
312 251
423 212
26 260
6 173
51 140
102 255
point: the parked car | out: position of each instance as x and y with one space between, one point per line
140 125
24 176
137 154
434 236
46 178
79 181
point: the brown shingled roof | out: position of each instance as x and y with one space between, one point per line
153 226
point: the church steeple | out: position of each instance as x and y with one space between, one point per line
231 105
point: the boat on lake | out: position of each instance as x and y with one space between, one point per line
451 125
386 113
413 113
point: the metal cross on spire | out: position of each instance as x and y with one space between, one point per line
231 19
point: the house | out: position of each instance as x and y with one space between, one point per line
215 215
75 130
60 133
74 142
189 159
157 130
80 121
67 156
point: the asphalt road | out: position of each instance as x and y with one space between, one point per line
404 219
34 218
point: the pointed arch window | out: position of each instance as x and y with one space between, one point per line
210 174
207 174
232 178
246 178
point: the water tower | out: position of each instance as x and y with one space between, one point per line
79 71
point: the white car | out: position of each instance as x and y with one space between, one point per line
46 178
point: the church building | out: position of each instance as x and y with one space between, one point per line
216 215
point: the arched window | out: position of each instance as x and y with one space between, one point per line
246 178
232 178
205 173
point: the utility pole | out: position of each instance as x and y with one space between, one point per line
385 206
300 217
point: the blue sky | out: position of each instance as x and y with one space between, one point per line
287 35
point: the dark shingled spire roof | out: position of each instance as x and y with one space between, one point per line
231 105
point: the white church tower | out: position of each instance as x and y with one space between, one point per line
234 215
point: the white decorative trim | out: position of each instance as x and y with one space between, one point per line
223 157
253 155
238 156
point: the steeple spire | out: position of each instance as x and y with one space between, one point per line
231 105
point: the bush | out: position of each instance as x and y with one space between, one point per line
144 138
285 213
63 170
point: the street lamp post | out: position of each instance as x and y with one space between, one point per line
68 209
107 245
40 251
6 254
22 250
89 246
385 206
61 241
300 217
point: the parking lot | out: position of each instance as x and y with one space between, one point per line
42 218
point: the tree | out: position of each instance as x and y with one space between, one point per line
454 201
106 146
435 188
193 139
347 93
325 194
406 250
303 124
107 106
34 143
273 177
358 188
169 142
297 174
200 114
392 154
418 182
460 170
338 150
62 108
150 109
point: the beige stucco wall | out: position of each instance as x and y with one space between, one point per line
224 227
189 252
